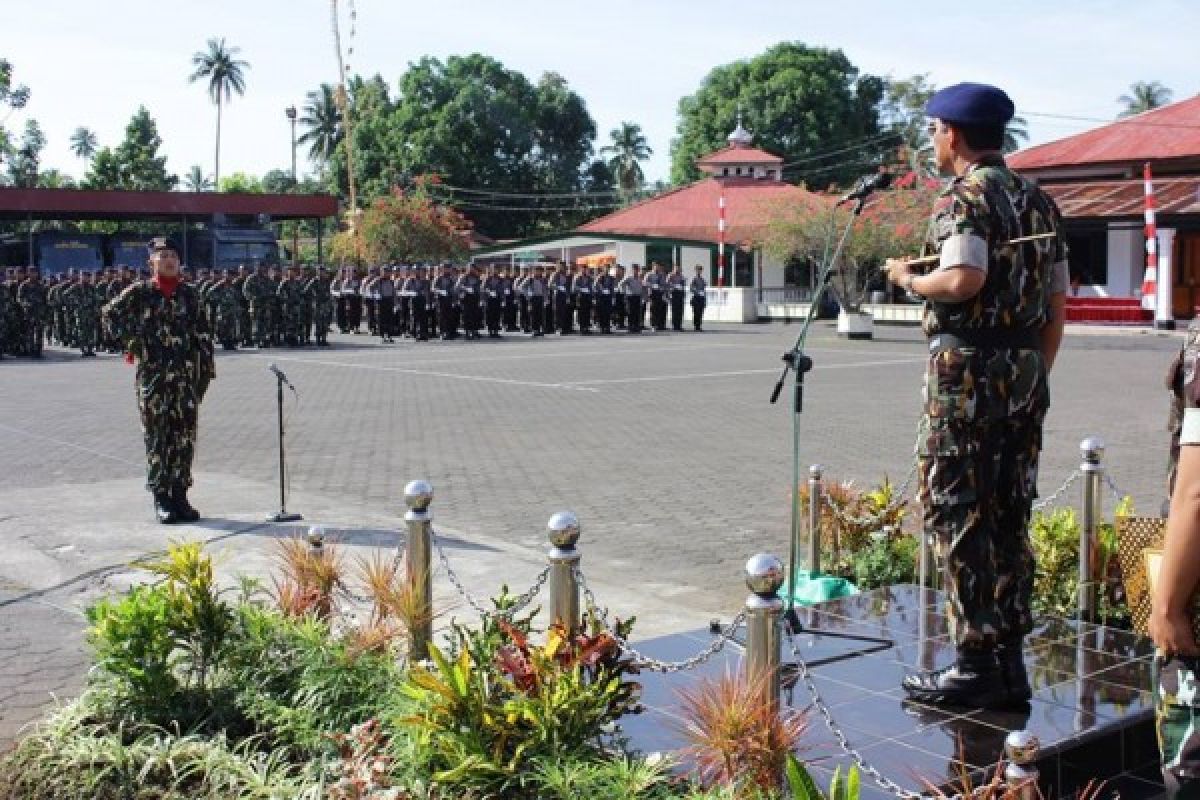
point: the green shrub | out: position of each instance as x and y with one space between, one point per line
1054 536
886 561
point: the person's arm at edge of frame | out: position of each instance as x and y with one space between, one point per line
1170 623
1052 331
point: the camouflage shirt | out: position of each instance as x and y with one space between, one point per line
973 219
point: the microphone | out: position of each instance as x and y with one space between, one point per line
866 186
279 374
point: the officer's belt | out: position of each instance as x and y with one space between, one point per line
991 338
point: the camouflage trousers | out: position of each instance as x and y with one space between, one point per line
169 412
87 334
1177 721
261 315
981 438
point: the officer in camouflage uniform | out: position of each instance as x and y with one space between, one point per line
290 296
994 316
224 311
322 305
31 296
1172 623
83 301
161 323
258 292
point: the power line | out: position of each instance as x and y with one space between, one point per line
1119 121
538 195
864 142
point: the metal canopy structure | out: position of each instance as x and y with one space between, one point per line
79 204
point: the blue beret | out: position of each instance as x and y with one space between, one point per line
971 104
162 243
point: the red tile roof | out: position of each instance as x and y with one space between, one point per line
1125 198
691 212
734 154
1172 131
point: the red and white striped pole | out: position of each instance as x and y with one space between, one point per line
1150 279
721 239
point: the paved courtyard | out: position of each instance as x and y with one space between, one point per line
665 445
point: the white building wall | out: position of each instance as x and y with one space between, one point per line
772 271
1126 263
689 257
629 253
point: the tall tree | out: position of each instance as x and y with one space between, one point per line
322 125
278 181
26 159
626 154
479 126
1144 96
903 111
135 163
1016 133
196 181
13 97
83 143
225 74
798 101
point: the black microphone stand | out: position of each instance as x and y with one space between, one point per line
282 515
798 363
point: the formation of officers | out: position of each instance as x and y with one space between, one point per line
294 307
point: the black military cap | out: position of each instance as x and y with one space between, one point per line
162 243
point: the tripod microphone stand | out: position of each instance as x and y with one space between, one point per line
798 364
282 515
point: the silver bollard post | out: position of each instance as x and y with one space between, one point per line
764 610
419 565
1092 450
316 540
814 518
1021 749
925 562
563 530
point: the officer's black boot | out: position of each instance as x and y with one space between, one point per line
182 507
973 681
1013 677
165 509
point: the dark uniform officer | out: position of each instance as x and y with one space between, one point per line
605 289
582 288
633 290
677 286
468 289
656 283
494 299
510 300
535 292
696 287
994 316
161 322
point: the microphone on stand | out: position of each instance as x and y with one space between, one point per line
279 374
866 186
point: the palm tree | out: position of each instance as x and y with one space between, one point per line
83 143
1144 95
322 124
1016 133
627 151
225 75
196 180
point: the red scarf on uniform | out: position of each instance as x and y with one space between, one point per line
166 285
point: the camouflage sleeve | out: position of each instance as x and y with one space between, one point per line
961 228
119 316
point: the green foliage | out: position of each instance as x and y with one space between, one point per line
1144 96
133 642
26 157
619 778
135 163
628 149
802 786
1054 535
797 100
471 121
885 561
502 703
240 182
409 226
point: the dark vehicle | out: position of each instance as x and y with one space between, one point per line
232 241
58 251
127 250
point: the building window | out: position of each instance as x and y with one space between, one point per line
725 171
1087 257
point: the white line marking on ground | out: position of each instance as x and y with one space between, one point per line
72 445
734 373
431 373
614 351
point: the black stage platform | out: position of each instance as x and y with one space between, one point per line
1092 708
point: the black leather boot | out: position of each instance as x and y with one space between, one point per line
973 681
164 508
1013 677
182 506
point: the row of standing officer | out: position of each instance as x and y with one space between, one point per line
421 301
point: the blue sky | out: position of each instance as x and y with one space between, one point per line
92 63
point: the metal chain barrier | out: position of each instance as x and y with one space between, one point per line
522 600
653 664
883 782
1053 498
1117 496
899 499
